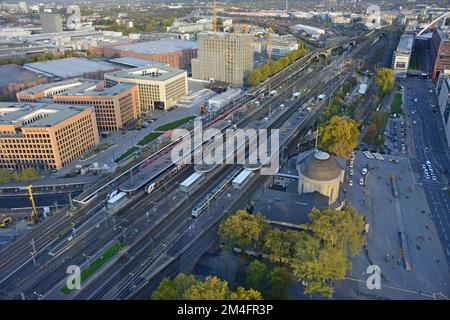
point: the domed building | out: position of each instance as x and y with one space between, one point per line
319 172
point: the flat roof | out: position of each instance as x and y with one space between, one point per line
191 179
244 174
69 67
152 72
13 73
134 62
44 114
50 85
108 91
158 46
406 43
225 95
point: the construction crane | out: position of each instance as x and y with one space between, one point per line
34 215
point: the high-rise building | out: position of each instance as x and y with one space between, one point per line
44 136
51 22
402 55
226 57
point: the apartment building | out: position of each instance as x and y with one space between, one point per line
226 57
160 86
44 136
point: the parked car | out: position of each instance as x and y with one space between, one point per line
361 181
364 171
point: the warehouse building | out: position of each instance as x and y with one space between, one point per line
14 78
160 86
44 136
72 68
174 52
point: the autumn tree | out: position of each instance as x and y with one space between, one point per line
245 294
211 289
281 245
242 229
385 80
339 136
279 280
174 289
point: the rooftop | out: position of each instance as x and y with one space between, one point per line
36 115
69 67
405 44
109 91
152 72
319 165
134 62
57 84
159 46
13 73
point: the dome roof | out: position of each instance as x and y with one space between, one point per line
320 166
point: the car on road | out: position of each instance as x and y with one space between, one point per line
393 160
361 181
428 162
364 171
350 183
351 172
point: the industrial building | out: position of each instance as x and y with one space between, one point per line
14 78
226 57
48 90
223 99
402 55
130 62
72 68
177 53
51 22
44 136
440 50
319 172
115 107
160 86
280 46
312 31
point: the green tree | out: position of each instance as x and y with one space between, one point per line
255 77
279 282
385 80
174 289
281 245
242 229
5 176
245 294
342 229
339 136
257 275
29 174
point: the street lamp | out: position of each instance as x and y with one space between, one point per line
39 296
88 260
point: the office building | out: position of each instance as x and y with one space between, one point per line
160 86
15 78
44 136
226 57
51 22
115 107
444 104
440 50
402 55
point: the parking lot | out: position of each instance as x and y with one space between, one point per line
390 216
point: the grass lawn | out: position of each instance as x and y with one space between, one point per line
126 154
96 150
149 138
397 103
175 124
96 264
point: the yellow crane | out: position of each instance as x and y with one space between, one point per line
34 215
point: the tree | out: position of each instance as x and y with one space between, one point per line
342 229
245 294
29 174
255 77
211 289
174 289
279 282
257 275
5 176
281 245
242 229
385 80
339 136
